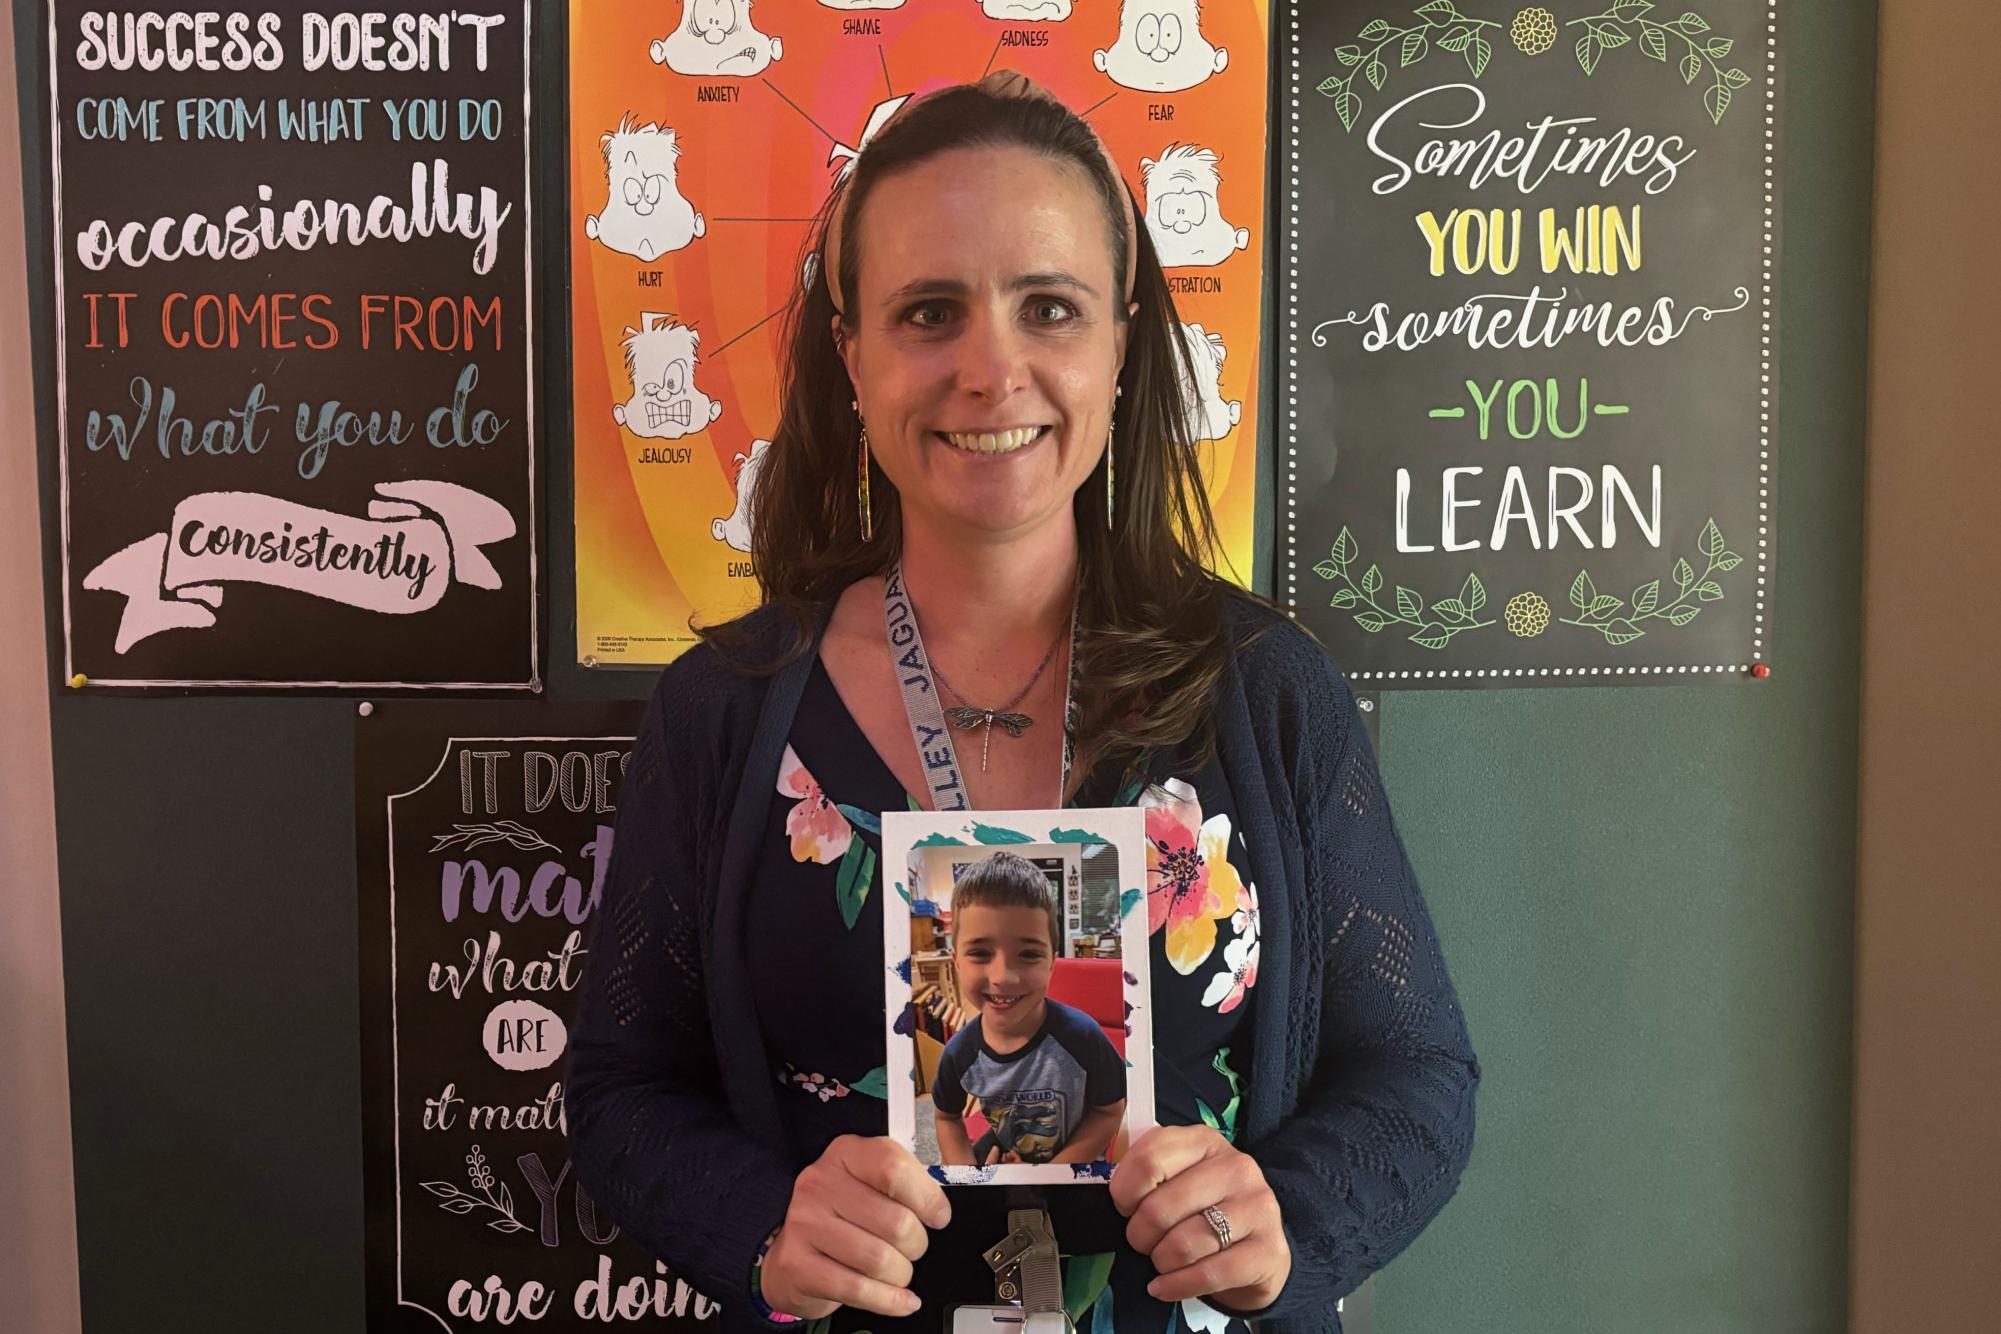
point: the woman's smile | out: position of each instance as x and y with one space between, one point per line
1011 440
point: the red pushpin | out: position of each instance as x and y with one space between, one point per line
1761 671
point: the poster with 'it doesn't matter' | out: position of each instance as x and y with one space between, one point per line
484 836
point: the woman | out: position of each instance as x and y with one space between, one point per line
985 424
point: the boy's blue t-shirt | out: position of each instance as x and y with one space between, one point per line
1034 1098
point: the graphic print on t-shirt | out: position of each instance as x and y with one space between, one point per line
1029 1123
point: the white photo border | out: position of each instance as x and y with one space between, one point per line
1121 828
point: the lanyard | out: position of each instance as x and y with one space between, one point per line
928 730
1026 1271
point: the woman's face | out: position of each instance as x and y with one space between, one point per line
983 340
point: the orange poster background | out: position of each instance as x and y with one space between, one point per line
757 168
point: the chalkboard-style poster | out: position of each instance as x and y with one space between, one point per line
485 831
1530 338
294 402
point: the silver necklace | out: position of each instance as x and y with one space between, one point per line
966 715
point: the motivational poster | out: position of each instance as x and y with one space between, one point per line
294 408
485 832
1529 326
705 137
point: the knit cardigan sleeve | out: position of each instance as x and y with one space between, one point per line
1382 1125
651 1136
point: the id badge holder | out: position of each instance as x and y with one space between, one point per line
1028 1284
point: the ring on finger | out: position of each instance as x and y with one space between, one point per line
1219 1223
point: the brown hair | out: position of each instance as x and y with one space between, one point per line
1152 635
1004 880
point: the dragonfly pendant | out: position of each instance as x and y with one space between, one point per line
1014 724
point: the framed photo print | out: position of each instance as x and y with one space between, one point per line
1016 1000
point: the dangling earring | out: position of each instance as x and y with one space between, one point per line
861 479
1111 438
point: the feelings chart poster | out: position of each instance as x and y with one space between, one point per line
294 405
1529 384
482 854
706 135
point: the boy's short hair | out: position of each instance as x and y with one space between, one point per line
1004 880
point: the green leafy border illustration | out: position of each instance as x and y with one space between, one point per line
1625 23
1454 32
1613 618
1602 612
1441 24
1447 617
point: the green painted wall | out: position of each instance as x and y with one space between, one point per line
1646 894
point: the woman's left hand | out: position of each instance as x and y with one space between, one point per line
1170 1175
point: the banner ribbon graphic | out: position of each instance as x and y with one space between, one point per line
418 539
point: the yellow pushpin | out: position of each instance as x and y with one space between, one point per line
79 681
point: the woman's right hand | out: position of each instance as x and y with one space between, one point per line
854 1228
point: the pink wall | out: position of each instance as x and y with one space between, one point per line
38 1284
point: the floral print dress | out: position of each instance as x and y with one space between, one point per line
817 961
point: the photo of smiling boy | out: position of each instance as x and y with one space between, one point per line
1049 1083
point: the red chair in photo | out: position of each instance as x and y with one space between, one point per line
1097 987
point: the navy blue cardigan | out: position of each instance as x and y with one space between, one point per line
1358 1102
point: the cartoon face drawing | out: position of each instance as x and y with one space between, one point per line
1160 48
1181 213
660 361
644 213
1027 11
1209 417
735 530
716 37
